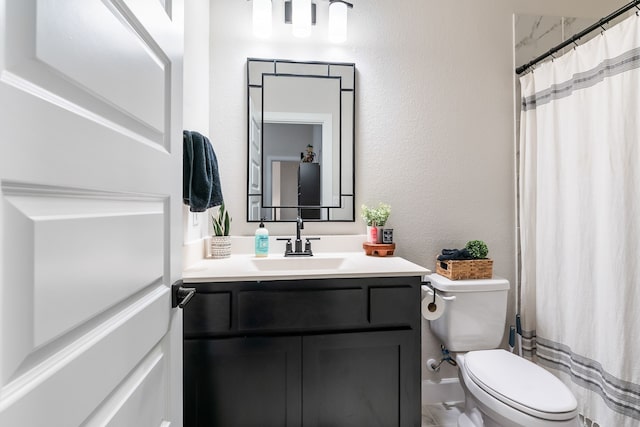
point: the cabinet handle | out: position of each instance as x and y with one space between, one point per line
181 296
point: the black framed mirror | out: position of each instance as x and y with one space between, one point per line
300 140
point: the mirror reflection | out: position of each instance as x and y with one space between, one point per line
300 150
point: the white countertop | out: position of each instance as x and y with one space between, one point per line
246 267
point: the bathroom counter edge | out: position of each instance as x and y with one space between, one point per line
240 267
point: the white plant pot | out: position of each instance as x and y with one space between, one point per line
220 246
374 234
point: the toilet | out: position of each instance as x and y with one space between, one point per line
501 389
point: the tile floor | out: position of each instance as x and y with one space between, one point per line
442 414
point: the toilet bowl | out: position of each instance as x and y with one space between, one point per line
501 389
504 390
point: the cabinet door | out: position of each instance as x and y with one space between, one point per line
361 379
242 382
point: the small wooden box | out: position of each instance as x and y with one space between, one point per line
467 269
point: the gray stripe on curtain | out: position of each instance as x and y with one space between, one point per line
610 67
619 395
529 343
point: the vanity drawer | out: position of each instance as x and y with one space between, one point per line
397 305
303 309
228 309
207 313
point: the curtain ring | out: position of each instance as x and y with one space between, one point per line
602 23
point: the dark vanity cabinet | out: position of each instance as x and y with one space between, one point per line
313 353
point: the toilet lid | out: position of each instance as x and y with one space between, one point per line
519 383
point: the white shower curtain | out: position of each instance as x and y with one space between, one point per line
580 222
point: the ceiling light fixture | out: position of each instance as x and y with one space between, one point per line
338 20
262 18
302 15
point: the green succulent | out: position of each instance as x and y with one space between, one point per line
477 248
221 222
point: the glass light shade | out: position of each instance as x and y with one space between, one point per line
262 22
337 22
301 17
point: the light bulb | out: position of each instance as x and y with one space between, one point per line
337 22
262 22
301 17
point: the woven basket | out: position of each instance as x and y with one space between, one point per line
468 269
220 246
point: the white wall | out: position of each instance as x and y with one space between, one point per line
196 92
434 116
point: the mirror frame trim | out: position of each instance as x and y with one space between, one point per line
353 139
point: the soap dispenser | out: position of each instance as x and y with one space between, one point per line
262 240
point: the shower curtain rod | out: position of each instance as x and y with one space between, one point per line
521 69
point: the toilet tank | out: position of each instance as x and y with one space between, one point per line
475 319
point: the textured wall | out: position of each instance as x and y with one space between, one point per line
435 116
196 92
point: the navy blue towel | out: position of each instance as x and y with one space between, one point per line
201 188
455 254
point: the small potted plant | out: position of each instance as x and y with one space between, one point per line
375 219
221 240
477 249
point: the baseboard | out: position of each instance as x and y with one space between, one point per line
444 390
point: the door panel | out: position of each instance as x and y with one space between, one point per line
69 384
51 59
99 63
255 163
125 254
90 212
131 400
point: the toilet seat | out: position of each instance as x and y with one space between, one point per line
520 384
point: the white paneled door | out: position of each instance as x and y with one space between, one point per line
90 212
